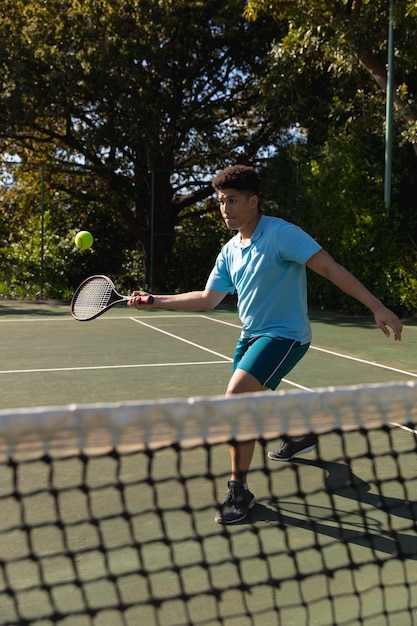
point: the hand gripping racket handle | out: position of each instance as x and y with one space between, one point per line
146 300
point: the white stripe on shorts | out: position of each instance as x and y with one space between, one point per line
294 343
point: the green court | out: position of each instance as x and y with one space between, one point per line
50 359
313 516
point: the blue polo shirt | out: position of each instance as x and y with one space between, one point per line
269 276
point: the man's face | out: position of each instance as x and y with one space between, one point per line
239 209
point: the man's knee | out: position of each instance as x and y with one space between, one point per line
243 382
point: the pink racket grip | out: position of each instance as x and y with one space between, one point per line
146 300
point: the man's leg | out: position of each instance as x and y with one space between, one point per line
264 359
239 500
241 453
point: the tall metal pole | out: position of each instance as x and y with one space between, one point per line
389 109
42 276
152 231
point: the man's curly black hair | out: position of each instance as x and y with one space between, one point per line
240 177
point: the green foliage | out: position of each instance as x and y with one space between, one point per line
21 267
328 74
41 258
153 98
131 88
197 244
342 206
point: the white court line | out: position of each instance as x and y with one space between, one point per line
343 356
196 345
52 318
212 319
69 318
200 347
373 363
190 343
107 367
409 430
339 354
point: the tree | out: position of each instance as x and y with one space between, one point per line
346 34
152 96
328 73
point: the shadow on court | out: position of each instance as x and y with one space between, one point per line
363 528
340 320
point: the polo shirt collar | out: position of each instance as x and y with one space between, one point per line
255 235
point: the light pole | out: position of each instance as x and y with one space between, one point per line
389 108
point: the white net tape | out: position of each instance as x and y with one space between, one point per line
95 428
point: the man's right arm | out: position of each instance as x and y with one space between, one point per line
204 300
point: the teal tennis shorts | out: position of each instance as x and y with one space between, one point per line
268 358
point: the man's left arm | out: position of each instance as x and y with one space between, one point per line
324 265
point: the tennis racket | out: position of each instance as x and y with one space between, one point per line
95 296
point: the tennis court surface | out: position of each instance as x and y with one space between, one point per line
107 511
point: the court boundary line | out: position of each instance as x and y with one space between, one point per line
333 353
198 346
373 363
343 356
110 367
68 318
187 341
225 359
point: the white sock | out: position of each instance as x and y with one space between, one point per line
297 439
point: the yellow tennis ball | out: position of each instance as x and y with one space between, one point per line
84 240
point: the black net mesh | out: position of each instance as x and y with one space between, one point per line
101 525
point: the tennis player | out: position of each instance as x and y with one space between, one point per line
265 263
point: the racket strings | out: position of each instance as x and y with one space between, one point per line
92 298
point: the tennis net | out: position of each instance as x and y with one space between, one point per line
107 512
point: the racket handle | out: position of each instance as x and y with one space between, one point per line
146 300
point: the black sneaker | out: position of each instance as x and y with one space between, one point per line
236 504
289 449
